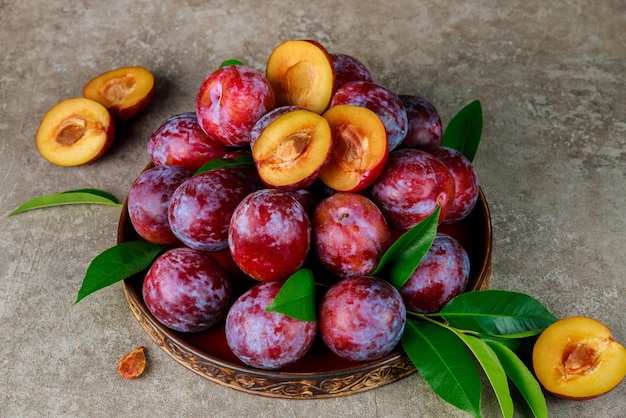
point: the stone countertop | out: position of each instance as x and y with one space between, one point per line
551 78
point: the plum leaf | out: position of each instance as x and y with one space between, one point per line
296 297
445 364
70 197
116 264
242 161
465 129
497 312
493 370
230 62
522 378
401 259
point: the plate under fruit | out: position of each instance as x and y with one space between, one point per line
320 374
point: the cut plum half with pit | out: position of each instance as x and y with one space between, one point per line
125 92
75 131
359 151
289 148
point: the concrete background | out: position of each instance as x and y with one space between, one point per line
552 163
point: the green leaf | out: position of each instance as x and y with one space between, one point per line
493 370
465 129
242 161
95 192
116 264
70 197
512 343
296 298
497 312
445 364
401 259
230 62
522 378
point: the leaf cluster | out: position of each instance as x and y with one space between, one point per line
476 329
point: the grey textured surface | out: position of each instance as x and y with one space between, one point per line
551 77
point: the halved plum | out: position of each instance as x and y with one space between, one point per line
301 73
125 91
290 151
359 148
75 131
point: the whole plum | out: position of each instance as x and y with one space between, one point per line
411 186
425 128
348 68
187 290
440 276
266 340
362 318
201 207
230 101
149 199
269 235
181 141
466 186
350 234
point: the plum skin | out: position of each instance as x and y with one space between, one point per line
266 340
187 290
348 69
230 101
425 128
362 318
350 234
411 186
442 274
466 184
148 202
181 141
201 208
269 235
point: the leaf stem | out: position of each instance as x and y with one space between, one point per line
429 318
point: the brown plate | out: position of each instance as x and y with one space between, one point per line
320 374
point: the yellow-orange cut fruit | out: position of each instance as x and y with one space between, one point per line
301 73
577 358
125 92
75 131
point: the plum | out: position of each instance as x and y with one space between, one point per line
411 187
348 68
380 100
290 145
301 73
359 148
75 131
440 276
124 92
425 128
269 235
466 187
181 141
149 199
362 318
350 234
266 340
201 207
187 290
230 101
578 358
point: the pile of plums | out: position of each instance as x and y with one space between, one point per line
342 165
